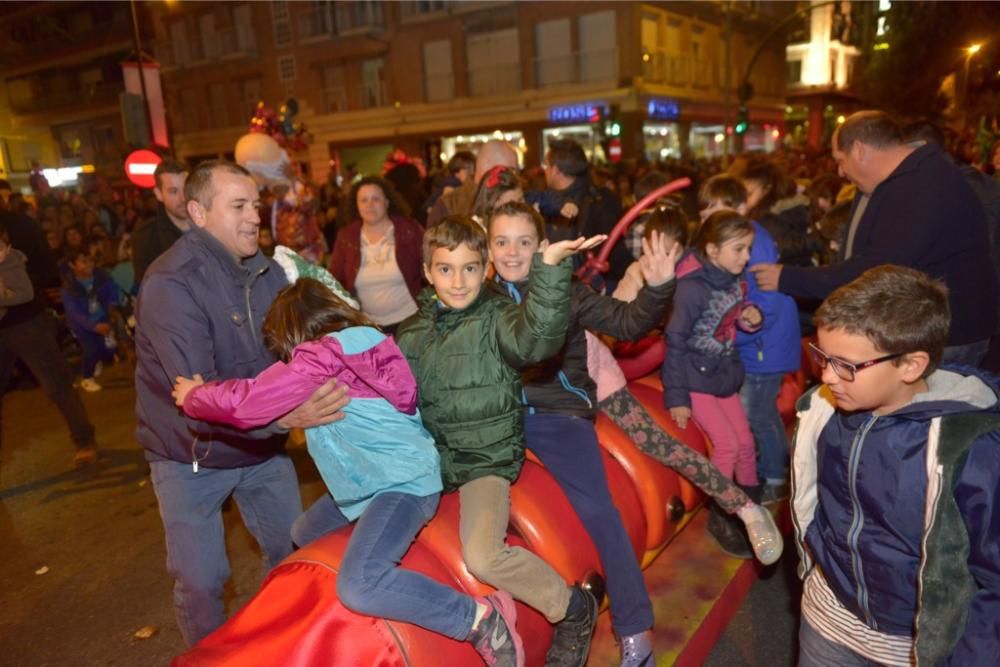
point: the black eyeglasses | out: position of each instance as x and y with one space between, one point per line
845 370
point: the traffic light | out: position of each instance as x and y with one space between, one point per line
743 121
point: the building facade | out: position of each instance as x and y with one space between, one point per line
433 76
60 82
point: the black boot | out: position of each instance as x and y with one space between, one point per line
728 533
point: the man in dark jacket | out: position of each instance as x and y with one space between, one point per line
28 333
914 208
566 172
200 311
155 235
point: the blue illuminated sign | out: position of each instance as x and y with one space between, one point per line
577 113
663 109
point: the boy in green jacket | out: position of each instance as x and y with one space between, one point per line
466 346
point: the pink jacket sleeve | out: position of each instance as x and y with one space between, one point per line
252 402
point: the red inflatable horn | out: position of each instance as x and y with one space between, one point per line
599 264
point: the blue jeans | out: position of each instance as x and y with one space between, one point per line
759 395
94 350
568 448
370 580
267 495
817 651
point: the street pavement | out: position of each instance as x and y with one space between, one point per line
82 558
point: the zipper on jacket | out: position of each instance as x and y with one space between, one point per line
246 294
858 521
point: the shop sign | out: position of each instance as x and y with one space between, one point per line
663 109
571 114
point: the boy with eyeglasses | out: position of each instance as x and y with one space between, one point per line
895 475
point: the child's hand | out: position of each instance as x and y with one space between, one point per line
751 317
658 259
183 386
680 415
569 210
554 253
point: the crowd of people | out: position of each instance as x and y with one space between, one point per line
447 307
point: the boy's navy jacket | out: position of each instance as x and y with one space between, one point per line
776 347
200 311
562 383
900 512
76 300
701 351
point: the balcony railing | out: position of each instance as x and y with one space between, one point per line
237 41
582 67
222 44
358 17
334 99
94 95
373 95
677 70
495 79
439 87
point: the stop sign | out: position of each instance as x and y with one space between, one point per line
139 167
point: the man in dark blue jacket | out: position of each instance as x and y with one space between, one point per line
914 208
200 311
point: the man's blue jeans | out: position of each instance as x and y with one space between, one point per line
759 395
817 651
370 580
267 495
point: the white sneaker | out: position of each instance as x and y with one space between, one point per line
765 538
90 385
98 369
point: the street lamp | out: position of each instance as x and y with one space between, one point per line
970 51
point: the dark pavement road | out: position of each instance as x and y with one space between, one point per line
82 559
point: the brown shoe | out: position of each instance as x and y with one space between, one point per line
85 456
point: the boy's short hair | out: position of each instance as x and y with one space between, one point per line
462 160
568 155
724 189
519 209
452 232
900 310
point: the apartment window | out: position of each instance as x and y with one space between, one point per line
597 38
239 38
494 62
439 79
281 23
179 43
358 16
317 22
286 68
334 93
250 96
554 60
217 109
794 71
372 87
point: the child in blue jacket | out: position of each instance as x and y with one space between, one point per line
767 354
90 298
895 475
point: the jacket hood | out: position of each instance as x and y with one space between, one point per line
953 390
693 263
